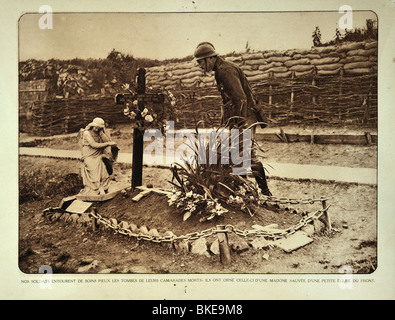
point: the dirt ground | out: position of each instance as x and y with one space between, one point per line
67 247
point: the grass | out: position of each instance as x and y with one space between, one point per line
39 183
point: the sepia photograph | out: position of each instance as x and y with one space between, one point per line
192 147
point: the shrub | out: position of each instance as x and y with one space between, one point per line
207 189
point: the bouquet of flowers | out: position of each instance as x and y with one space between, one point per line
148 117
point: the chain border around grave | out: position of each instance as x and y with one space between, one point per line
131 230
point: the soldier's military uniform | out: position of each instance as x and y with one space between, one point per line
239 104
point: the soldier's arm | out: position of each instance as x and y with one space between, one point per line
230 79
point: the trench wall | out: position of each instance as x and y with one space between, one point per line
331 86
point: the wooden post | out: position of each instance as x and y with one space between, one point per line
341 81
369 98
41 127
138 142
292 89
326 219
51 109
283 136
33 123
292 96
270 87
313 83
94 220
368 138
341 88
224 250
366 116
67 117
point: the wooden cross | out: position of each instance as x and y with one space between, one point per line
138 143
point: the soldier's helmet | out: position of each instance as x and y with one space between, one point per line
205 50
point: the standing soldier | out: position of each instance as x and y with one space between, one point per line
239 103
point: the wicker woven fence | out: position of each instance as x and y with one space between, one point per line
331 86
334 85
68 116
309 100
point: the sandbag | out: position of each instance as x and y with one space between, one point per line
173 76
277 69
234 59
190 80
370 45
304 52
152 78
187 65
297 56
182 72
272 53
157 69
312 56
323 49
171 67
282 74
207 84
252 56
192 84
246 67
327 60
328 72
362 52
358 71
270 65
333 66
207 79
292 63
354 59
350 46
334 54
169 82
193 74
153 83
358 65
256 62
292 52
302 67
278 59
258 77
251 73
303 73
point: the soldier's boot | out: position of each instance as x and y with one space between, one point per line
259 173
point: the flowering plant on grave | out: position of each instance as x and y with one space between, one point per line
149 117
210 189
192 203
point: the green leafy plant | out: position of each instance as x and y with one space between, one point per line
207 188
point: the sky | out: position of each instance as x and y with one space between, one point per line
172 35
